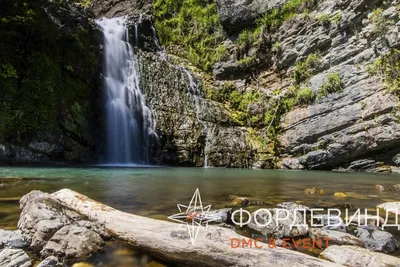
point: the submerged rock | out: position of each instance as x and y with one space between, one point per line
379 187
314 191
377 240
358 257
340 194
240 201
395 187
14 258
12 239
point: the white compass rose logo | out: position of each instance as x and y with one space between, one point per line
194 216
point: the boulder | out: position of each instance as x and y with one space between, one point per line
377 240
12 239
14 258
330 222
74 243
314 191
292 206
336 237
390 206
51 261
52 229
268 225
236 15
358 257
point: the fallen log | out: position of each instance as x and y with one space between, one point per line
167 241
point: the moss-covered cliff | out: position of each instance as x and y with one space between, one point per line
49 80
317 81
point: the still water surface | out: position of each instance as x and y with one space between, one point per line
154 192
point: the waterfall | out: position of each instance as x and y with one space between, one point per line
194 93
129 123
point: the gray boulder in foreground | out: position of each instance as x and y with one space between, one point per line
336 237
377 240
52 229
51 261
14 258
172 243
12 239
358 257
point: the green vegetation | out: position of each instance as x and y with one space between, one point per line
333 84
389 67
304 69
273 19
337 18
193 25
380 23
247 61
305 96
324 19
44 72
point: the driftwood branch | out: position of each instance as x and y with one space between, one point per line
167 241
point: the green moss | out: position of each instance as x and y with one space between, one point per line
333 84
247 61
221 94
388 66
193 25
43 71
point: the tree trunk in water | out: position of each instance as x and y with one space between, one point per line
167 241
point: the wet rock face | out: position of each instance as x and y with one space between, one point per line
115 8
191 129
52 229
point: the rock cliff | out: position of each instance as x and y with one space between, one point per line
275 84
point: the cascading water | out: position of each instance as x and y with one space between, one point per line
194 93
129 123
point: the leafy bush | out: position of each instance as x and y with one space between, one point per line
389 67
333 84
305 96
380 23
324 19
304 69
192 24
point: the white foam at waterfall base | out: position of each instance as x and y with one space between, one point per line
129 123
